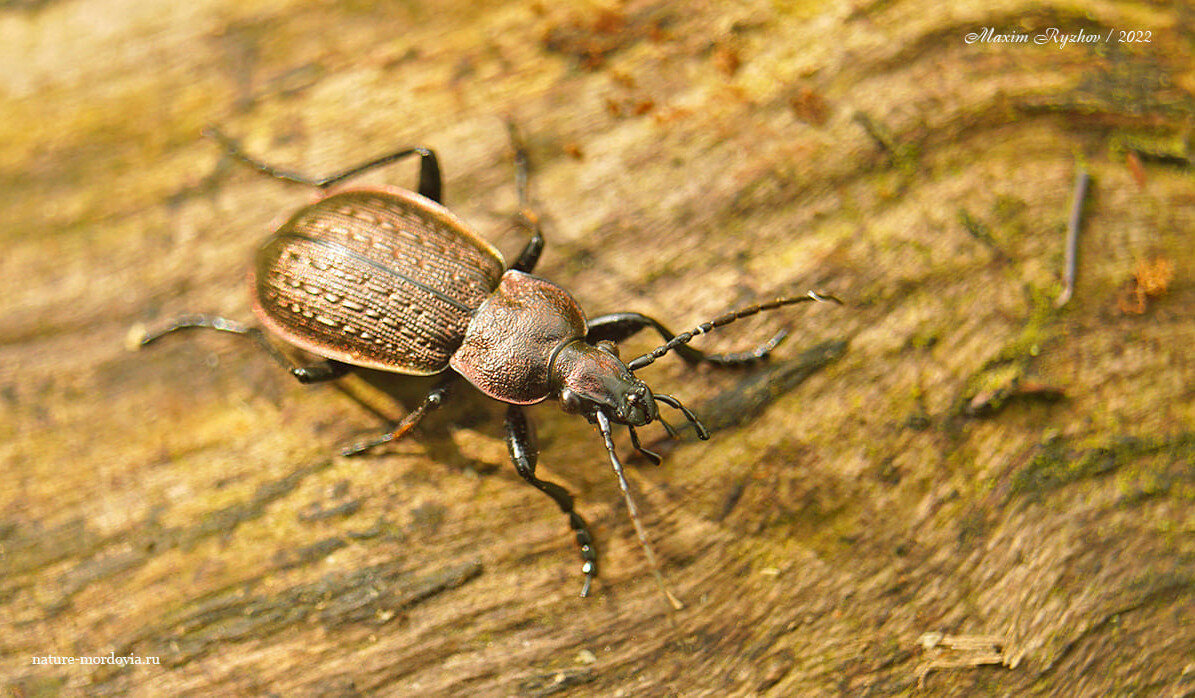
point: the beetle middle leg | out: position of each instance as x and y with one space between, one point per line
616 327
317 372
524 452
430 184
431 402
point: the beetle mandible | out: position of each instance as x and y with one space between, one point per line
389 279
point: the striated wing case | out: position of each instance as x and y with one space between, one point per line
384 279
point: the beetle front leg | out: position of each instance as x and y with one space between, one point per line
524 452
317 372
431 401
616 327
430 184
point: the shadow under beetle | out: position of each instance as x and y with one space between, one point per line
389 279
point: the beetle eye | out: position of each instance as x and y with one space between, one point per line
608 347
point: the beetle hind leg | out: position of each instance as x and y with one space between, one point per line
520 439
527 217
317 372
431 402
430 181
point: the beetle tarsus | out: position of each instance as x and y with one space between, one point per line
399 431
588 581
198 321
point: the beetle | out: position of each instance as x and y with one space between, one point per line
389 279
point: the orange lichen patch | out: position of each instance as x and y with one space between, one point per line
809 106
1133 160
671 114
727 60
624 79
635 107
1150 280
593 36
643 106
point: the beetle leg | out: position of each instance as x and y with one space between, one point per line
524 452
326 370
527 217
431 401
617 327
429 167
317 372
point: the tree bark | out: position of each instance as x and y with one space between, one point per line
950 484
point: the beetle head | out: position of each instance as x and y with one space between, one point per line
587 378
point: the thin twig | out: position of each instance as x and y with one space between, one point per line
1072 238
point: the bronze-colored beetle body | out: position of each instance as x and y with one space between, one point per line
389 279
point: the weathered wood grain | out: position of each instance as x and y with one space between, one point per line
907 508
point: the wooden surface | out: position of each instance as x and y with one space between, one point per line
949 481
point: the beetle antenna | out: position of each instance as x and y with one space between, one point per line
686 337
603 423
650 455
702 432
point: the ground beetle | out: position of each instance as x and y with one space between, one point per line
389 279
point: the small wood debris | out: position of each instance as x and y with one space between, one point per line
960 652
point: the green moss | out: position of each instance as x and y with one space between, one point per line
924 337
1166 147
39 686
1058 464
979 230
796 10
1008 208
1036 332
905 156
999 378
